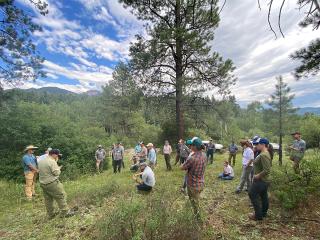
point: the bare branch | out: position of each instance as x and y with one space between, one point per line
269 13
279 18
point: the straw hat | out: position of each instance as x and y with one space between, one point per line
30 147
149 145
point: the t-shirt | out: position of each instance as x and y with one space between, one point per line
137 149
117 153
148 177
42 157
247 156
262 163
167 149
184 151
100 154
49 170
143 153
229 170
152 156
233 148
27 160
211 146
300 145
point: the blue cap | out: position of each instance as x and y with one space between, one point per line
189 142
263 141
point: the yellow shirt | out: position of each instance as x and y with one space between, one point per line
49 170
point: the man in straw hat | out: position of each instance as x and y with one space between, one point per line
53 190
145 179
247 165
100 155
29 163
152 156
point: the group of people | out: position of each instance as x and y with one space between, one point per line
193 157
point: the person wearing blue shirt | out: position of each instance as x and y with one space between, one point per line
137 148
29 163
152 156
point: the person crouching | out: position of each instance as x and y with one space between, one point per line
145 178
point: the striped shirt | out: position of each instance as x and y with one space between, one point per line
195 165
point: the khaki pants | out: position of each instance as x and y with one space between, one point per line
54 191
194 197
233 157
30 184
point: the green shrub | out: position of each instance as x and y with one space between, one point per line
291 188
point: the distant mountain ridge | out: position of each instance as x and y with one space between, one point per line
56 90
304 110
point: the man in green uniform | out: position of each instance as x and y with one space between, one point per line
49 173
258 192
297 148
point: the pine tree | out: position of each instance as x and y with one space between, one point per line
281 103
177 59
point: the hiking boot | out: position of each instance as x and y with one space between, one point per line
252 217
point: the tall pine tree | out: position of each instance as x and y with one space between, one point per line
177 58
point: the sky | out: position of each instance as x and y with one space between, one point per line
82 41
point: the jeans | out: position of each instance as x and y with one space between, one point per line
259 198
233 157
210 156
168 164
245 178
117 166
144 187
225 177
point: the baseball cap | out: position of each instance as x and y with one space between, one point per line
189 142
56 152
196 142
263 141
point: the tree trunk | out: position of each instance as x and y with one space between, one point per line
280 123
179 74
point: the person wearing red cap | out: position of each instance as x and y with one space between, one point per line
297 148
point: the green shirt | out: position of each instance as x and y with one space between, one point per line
262 164
49 170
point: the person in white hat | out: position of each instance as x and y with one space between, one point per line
100 155
30 168
45 155
145 179
152 156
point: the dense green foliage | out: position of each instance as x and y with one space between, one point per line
76 124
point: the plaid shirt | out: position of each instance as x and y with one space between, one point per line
195 165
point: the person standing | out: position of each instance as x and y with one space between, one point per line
298 149
137 149
178 148
29 163
195 166
100 156
258 192
122 163
167 150
247 165
52 188
184 152
45 155
145 179
210 151
143 154
118 155
233 149
152 156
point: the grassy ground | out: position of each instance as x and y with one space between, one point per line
96 197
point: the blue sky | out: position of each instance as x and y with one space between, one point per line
82 41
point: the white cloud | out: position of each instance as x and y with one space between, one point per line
245 37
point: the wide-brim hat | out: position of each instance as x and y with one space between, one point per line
149 145
30 147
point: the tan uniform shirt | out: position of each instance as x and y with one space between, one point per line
49 170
